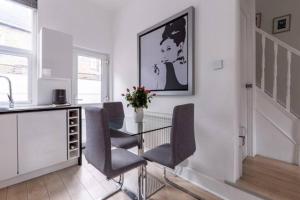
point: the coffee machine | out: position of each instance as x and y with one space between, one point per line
59 97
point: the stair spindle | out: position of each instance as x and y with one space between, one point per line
288 89
275 71
263 62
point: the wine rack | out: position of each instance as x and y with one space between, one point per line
73 133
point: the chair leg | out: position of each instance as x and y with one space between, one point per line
119 189
120 182
168 181
144 182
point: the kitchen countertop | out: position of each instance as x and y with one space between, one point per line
36 108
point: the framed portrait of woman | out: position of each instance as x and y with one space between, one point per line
166 55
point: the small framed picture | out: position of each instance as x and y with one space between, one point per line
258 20
282 24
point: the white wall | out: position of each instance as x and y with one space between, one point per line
276 129
88 24
272 143
216 99
277 8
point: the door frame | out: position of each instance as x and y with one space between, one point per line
105 73
104 82
247 8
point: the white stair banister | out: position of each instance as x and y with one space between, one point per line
279 42
289 57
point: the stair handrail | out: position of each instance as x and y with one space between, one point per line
290 52
279 42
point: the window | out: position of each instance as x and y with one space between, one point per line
90 81
17 49
91 77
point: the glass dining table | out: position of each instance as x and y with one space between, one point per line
150 124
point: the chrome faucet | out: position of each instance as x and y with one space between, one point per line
10 97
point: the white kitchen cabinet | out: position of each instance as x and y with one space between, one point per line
42 139
8 146
56 54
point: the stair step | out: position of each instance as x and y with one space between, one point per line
270 178
275 164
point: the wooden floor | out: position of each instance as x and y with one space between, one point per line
271 179
86 183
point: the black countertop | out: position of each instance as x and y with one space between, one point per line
37 108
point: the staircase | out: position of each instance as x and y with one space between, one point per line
277 106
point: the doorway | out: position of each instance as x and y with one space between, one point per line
90 77
90 84
247 81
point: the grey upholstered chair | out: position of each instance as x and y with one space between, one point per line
112 163
114 110
182 143
119 139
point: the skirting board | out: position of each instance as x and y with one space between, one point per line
25 177
218 188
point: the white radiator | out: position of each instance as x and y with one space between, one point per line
156 138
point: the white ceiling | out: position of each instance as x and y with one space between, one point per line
111 4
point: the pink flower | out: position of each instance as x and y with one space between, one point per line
134 87
128 90
123 95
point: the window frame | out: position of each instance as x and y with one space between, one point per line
31 55
78 51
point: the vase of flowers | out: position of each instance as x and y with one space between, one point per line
138 115
138 99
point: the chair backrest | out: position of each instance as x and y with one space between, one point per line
182 133
98 145
114 110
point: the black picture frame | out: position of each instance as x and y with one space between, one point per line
258 20
282 24
164 85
